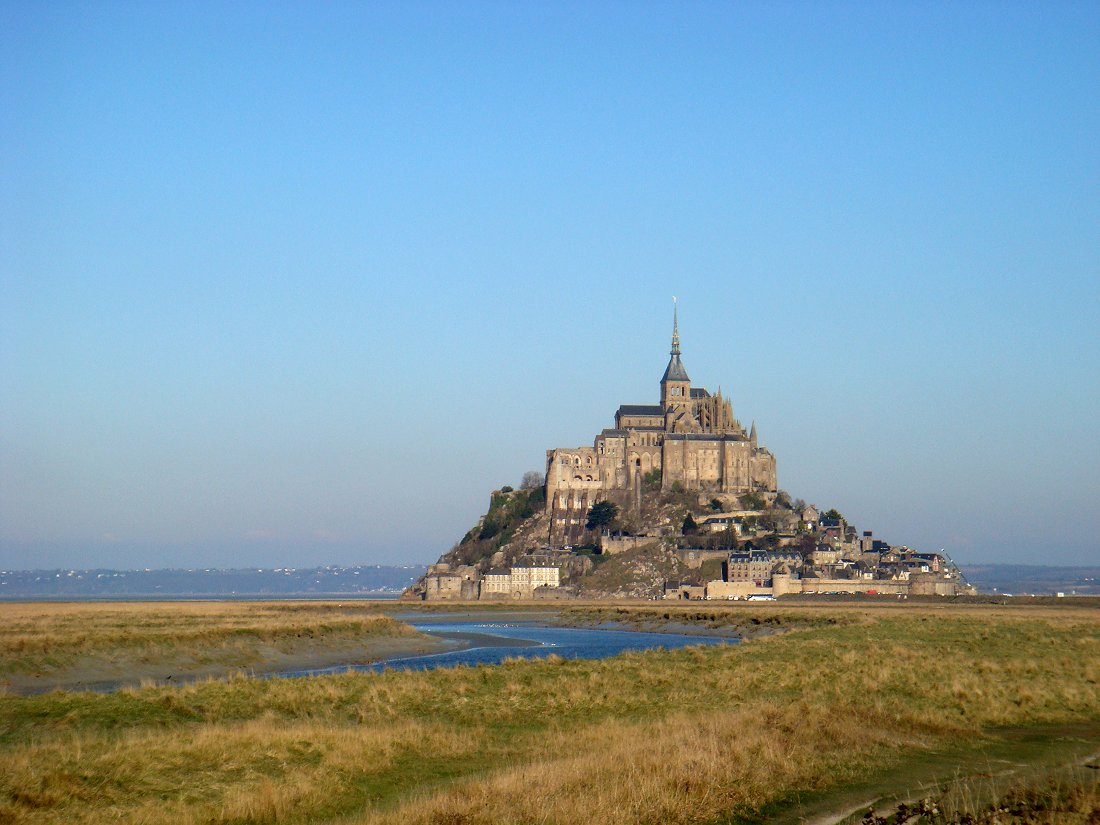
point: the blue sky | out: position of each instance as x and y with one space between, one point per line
301 283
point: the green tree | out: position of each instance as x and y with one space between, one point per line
601 514
690 528
489 528
833 513
752 501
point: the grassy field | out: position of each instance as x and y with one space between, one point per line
763 731
78 644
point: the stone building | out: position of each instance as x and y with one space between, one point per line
443 582
752 566
520 581
691 439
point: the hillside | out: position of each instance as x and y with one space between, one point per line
652 543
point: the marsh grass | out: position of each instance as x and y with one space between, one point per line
701 734
44 640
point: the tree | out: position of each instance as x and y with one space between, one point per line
806 546
833 513
532 479
489 528
752 501
601 514
690 528
729 538
770 520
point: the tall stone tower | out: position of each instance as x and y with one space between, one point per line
675 384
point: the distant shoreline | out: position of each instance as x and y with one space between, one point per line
381 596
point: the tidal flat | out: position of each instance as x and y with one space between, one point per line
107 645
831 709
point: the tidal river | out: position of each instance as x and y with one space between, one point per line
490 643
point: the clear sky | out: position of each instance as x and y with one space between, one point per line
300 283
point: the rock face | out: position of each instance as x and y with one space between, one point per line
635 574
513 533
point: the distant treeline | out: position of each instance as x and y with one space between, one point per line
280 581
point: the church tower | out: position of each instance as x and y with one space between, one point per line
675 384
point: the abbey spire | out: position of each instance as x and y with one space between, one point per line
675 374
675 331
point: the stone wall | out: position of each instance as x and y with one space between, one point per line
889 587
719 589
612 545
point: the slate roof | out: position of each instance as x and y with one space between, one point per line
675 370
702 437
641 409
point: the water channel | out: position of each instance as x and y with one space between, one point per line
490 643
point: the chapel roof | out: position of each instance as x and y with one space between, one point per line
641 409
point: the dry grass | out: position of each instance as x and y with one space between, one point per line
51 640
694 735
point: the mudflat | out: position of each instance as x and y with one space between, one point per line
106 646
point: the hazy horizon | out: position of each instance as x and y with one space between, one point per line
296 285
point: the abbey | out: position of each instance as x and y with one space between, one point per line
690 440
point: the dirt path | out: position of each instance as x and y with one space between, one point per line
982 769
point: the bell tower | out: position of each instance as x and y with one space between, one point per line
675 384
